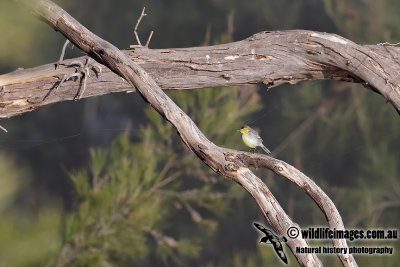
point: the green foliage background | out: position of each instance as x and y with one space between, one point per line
107 182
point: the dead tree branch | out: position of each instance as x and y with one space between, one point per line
270 58
229 163
137 25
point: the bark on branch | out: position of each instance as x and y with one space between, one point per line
271 58
229 163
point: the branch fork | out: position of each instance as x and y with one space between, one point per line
143 14
227 162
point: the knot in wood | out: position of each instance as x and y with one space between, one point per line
231 167
226 76
279 168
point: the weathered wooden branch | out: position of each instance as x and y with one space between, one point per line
271 58
229 163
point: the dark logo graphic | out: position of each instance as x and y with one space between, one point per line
273 240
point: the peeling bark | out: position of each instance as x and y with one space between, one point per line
269 58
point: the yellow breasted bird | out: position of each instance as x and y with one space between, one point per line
252 139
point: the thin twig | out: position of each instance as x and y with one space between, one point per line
194 214
207 35
230 28
163 239
137 24
166 180
63 50
148 39
62 53
4 129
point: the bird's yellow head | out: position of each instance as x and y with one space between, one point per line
244 130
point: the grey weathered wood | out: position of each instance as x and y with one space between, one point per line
271 58
229 163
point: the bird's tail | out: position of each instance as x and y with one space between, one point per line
265 149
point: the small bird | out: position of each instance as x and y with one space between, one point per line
252 139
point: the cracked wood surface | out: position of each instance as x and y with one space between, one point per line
269 58
223 161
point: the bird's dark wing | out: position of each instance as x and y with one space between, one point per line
282 255
269 234
276 244
261 227
279 250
